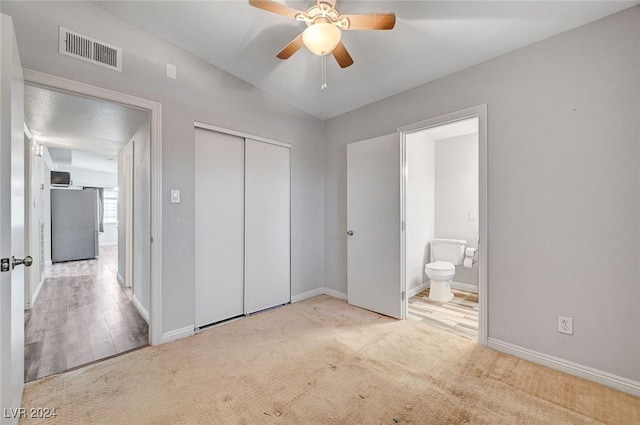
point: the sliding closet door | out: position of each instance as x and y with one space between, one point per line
267 221
219 226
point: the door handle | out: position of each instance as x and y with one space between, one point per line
27 261
349 232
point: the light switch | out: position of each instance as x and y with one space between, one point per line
473 214
175 196
171 71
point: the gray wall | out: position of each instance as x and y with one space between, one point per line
456 193
563 176
201 93
122 219
86 177
141 214
46 205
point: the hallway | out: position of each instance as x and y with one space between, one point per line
81 315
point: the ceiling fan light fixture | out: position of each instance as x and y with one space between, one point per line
321 38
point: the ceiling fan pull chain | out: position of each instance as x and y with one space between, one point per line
324 72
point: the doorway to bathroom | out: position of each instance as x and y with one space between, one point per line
444 231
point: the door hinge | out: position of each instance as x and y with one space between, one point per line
151 239
402 225
404 295
5 265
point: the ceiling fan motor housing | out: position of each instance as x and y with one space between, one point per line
319 11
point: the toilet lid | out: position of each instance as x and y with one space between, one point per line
441 266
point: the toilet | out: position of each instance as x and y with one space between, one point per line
446 254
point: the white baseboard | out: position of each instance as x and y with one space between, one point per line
412 292
143 311
176 334
318 291
454 285
464 287
586 372
307 295
34 297
120 279
335 294
107 244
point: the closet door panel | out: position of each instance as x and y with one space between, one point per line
267 224
219 226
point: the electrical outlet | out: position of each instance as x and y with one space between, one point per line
565 325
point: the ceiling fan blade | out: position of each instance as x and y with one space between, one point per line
276 7
371 21
342 56
291 48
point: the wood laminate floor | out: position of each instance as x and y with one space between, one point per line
460 315
81 315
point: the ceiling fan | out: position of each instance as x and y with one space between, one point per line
324 27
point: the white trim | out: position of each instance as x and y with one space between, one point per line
586 372
412 292
34 297
155 108
319 291
27 130
204 126
176 334
143 311
335 294
479 111
306 295
464 287
120 279
109 243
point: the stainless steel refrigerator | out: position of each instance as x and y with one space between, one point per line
74 224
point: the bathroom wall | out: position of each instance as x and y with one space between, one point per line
456 195
420 205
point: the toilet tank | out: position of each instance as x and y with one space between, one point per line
451 250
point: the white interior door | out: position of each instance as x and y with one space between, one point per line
267 224
11 224
373 225
219 221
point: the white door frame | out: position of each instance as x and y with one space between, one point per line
155 110
481 113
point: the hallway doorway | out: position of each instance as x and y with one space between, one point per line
89 162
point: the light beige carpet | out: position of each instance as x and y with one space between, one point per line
322 361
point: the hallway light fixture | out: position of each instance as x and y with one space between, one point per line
38 149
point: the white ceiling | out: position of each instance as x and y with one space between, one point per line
67 121
431 39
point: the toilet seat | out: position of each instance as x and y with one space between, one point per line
440 268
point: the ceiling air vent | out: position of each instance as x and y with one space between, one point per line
89 49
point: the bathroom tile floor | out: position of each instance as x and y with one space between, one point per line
460 315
